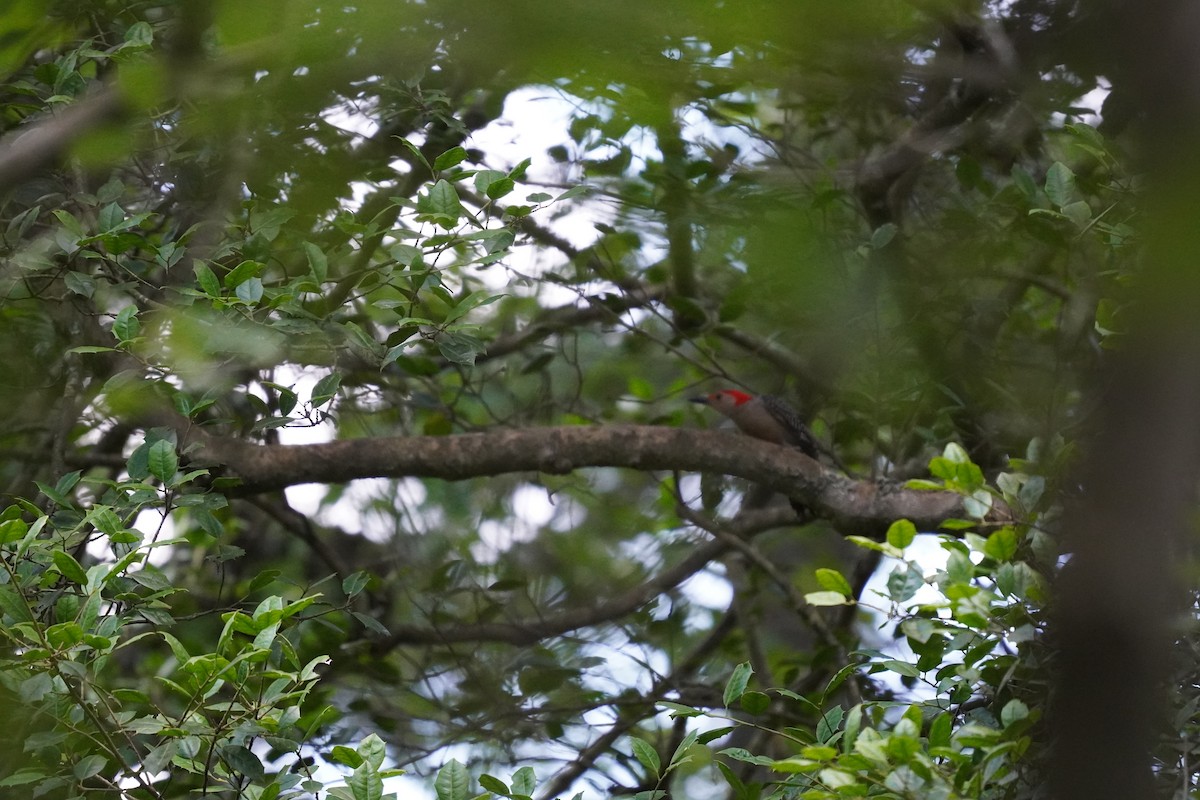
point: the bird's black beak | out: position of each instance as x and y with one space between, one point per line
700 400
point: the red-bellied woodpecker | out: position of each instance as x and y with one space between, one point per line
763 417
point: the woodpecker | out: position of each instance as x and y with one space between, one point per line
764 417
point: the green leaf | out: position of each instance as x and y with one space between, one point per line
1079 212
1013 711
346 755
125 326
140 33
1060 184
940 729
355 583
646 755
452 157
871 544
883 235
416 151
326 389
318 264
834 581
904 582
901 533
460 348
162 461
486 177
829 598
243 272
494 785
1002 544
441 205
452 782
1024 182
12 530
754 702
373 750
829 724
80 284
500 188
575 191
69 567
469 303
250 291
678 710
206 279
524 782
738 681
366 783
88 766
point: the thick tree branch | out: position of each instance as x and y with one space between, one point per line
861 507
39 145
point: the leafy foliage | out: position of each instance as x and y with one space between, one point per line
245 226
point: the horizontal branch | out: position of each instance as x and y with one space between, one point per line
862 507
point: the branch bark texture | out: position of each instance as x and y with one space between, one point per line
861 507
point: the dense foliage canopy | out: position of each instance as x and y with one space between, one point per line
348 350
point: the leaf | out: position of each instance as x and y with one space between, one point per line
373 750
1013 711
243 760
647 755
450 158
206 279
486 177
900 534
416 151
441 205
469 303
737 683
834 581
452 782
326 389
871 544
1024 182
498 189
125 326
883 235
318 263
366 783
355 583
524 781
162 461
69 567
903 583
23 776
250 291
460 348
80 284
494 785
575 191
940 729
677 710
829 724
140 33
1060 184
754 702
1002 544
829 598
1079 212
